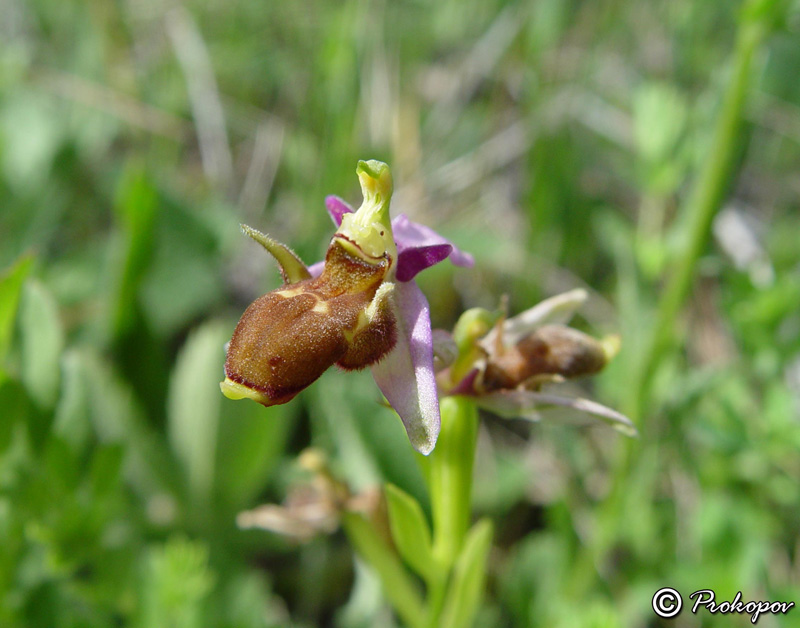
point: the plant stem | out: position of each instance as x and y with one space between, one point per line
450 477
702 204
698 213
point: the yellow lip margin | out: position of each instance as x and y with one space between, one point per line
235 390
355 250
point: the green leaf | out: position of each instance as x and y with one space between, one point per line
72 421
194 406
398 587
32 131
16 407
42 343
175 586
466 587
62 468
10 291
659 115
411 533
770 12
116 417
183 279
251 441
248 601
136 207
106 469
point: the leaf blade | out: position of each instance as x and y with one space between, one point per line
10 294
466 587
411 533
42 340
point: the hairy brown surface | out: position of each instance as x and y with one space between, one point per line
287 338
374 342
550 350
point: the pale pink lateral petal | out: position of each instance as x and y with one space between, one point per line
409 234
528 404
406 376
337 208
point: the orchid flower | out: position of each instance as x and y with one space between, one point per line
358 308
505 366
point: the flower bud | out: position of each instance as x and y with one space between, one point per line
551 350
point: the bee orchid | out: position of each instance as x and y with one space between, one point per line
359 307
505 363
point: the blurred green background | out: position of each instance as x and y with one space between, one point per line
556 140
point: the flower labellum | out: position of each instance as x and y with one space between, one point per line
549 351
359 308
286 339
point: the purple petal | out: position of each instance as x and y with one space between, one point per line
467 385
406 376
412 261
526 404
409 235
337 208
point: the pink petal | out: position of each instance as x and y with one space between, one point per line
414 260
316 269
409 235
467 385
406 376
337 208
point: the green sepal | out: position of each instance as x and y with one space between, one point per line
469 576
411 533
292 267
471 326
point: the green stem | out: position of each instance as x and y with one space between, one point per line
699 211
450 477
703 203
